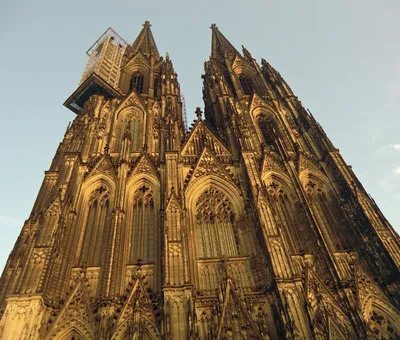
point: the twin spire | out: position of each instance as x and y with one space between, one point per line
145 43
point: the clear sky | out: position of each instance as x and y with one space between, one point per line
341 58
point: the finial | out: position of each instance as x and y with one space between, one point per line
106 149
138 273
214 27
198 113
246 52
147 24
139 263
127 133
224 265
83 271
167 56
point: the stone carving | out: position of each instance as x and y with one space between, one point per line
251 226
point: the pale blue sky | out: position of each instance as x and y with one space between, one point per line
340 57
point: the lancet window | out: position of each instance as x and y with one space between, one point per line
228 79
327 214
380 327
129 126
136 83
216 229
285 214
157 87
96 224
48 225
247 85
143 226
267 131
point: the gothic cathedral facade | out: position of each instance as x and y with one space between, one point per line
249 225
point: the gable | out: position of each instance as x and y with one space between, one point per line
137 310
132 100
200 137
208 165
233 304
145 166
103 166
77 312
173 204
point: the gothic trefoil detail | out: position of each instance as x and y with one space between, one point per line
249 225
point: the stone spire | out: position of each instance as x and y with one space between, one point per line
145 42
220 45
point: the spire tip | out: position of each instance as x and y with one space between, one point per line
214 27
198 113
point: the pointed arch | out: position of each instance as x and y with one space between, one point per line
75 329
247 84
228 188
142 202
216 229
248 79
129 124
382 319
97 217
138 65
94 209
240 66
288 212
92 182
325 209
137 180
266 126
270 128
216 206
143 329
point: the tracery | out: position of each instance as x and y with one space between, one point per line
284 210
247 84
96 221
327 213
136 83
216 227
143 226
266 127
129 126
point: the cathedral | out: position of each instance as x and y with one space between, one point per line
248 225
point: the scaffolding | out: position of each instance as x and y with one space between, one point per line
102 72
105 57
184 112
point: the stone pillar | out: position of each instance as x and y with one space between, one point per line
22 318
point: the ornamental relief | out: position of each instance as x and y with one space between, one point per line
175 249
272 163
308 163
39 255
132 103
145 166
103 165
129 115
209 165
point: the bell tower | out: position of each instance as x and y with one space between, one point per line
250 225
315 217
